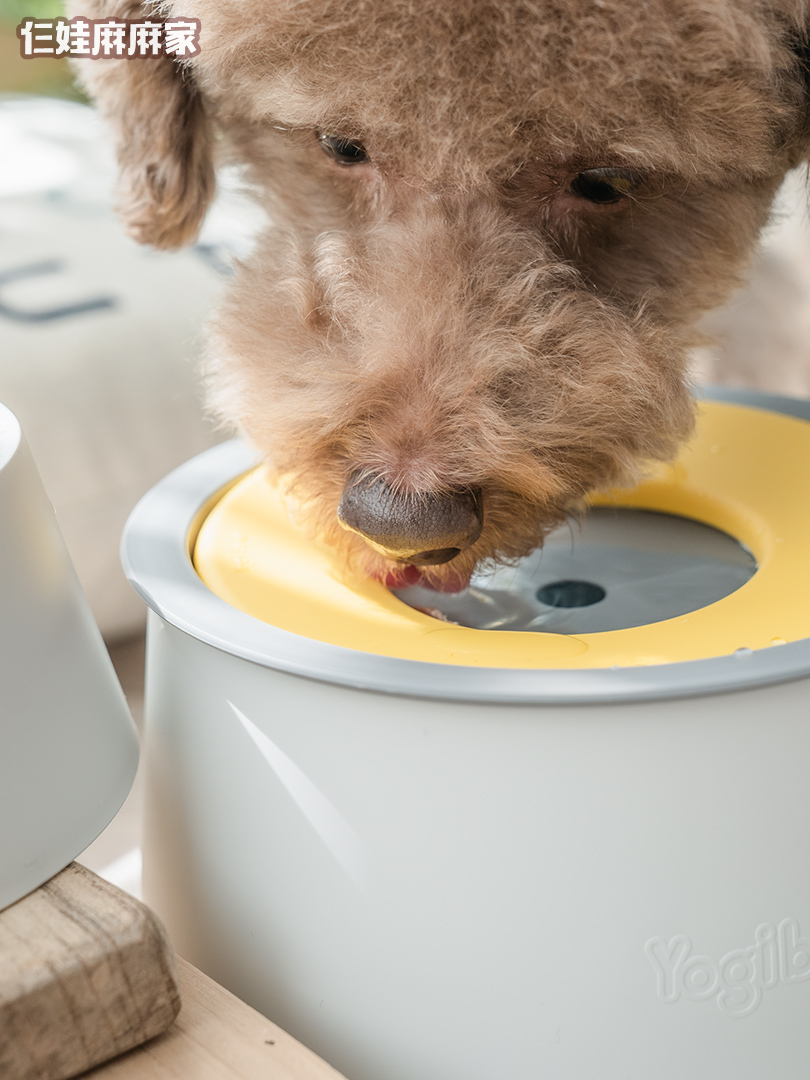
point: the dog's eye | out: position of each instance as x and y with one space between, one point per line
605 185
343 151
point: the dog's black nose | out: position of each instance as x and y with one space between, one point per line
423 528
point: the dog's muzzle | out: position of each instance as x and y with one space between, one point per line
423 528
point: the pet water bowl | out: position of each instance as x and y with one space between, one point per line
573 847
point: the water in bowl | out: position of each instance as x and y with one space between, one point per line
616 569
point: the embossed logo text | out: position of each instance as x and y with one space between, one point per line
736 980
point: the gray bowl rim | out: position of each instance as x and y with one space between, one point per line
155 556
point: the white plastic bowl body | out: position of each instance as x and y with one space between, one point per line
476 875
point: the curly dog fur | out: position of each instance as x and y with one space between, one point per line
457 311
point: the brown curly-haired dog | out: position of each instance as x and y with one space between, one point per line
494 224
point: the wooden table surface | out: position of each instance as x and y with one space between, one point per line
216 1037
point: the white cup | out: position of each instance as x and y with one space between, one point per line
68 745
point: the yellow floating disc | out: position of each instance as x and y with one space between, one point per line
746 472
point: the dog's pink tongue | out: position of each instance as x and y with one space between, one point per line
402 576
454 584
412 575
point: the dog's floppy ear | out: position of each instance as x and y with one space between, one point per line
162 134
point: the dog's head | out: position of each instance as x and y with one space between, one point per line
493 226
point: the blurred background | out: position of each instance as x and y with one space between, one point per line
19 76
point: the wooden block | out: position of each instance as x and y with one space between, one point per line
86 972
217 1037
